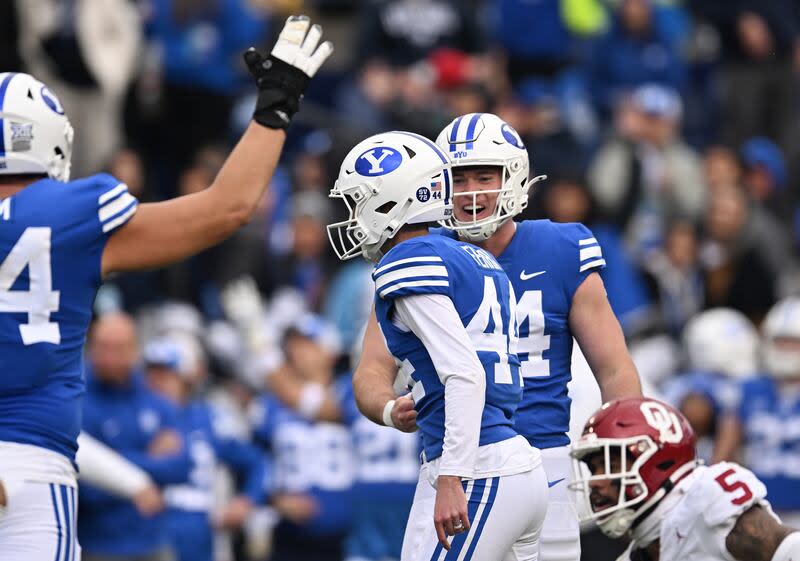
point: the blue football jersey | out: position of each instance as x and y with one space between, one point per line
772 439
387 469
546 263
312 458
52 236
483 298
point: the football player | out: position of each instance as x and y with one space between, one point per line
59 238
446 310
560 295
767 418
636 469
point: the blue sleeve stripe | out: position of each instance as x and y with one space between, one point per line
587 241
591 252
108 195
410 272
593 264
413 284
392 265
121 218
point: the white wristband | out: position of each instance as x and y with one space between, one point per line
387 413
311 399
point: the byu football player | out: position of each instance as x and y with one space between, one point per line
58 238
767 417
554 270
447 312
636 469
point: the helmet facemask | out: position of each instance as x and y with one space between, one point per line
616 519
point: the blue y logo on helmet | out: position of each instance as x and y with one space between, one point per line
378 161
51 101
512 136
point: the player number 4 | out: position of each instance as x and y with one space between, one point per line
32 250
734 486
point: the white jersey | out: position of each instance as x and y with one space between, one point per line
712 499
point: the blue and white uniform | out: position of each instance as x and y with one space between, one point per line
387 468
314 459
52 236
546 262
189 505
446 310
770 416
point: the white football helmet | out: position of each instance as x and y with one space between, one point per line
484 139
782 322
387 181
35 133
722 341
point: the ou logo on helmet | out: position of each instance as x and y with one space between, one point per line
378 161
663 420
51 100
512 136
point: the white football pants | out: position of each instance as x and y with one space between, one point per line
561 533
505 513
39 522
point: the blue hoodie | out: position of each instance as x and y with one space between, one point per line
127 419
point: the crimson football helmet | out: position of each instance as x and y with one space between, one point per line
655 448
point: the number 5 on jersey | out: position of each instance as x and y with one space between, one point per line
40 300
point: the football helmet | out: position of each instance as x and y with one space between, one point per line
35 133
484 139
655 447
722 341
387 181
782 322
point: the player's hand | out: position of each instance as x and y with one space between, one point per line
282 77
403 415
450 515
296 507
166 443
234 514
149 501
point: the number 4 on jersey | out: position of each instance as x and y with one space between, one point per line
40 300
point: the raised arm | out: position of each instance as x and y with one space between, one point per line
165 232
600 337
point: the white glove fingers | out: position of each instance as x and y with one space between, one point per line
291 38
320 56
312 40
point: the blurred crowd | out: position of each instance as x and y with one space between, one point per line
670 127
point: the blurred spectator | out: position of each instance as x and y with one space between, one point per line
766 177
722 348
674 277
199 44
313 461
308 266
760 49
176 370
769 409
737 272
646 171
539 38
126 416
638 49
10 60
402 32
87 53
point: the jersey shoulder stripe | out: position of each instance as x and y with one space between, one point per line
115 207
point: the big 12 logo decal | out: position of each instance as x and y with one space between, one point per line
663 420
